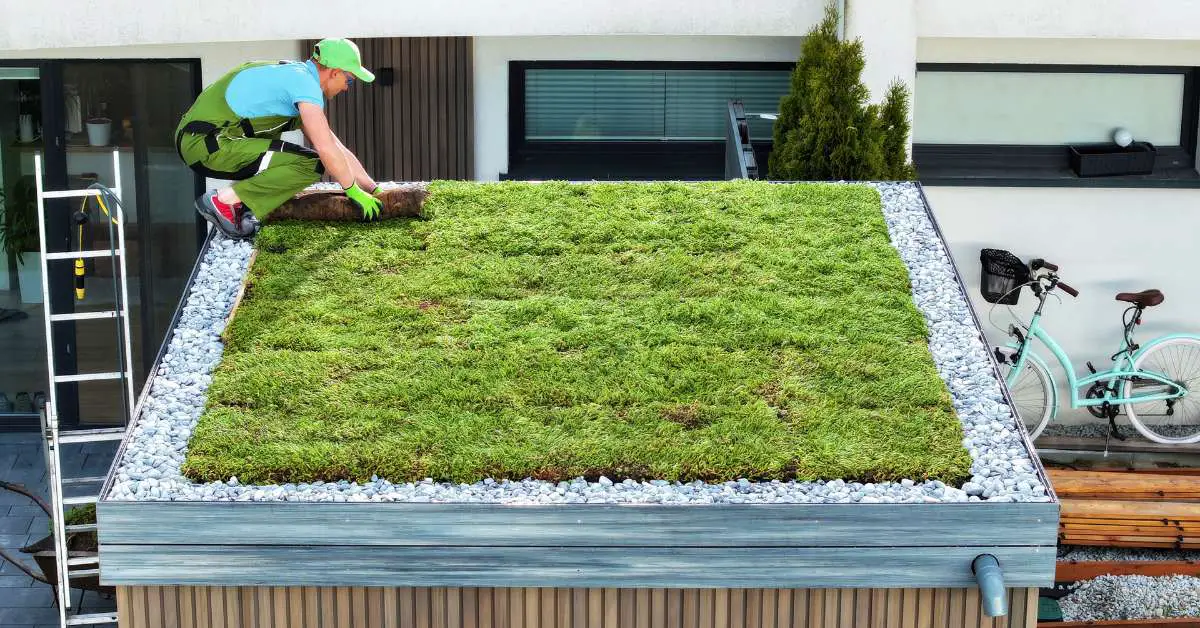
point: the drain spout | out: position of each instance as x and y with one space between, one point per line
992 593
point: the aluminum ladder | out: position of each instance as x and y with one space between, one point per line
53 440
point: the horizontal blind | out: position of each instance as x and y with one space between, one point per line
645 105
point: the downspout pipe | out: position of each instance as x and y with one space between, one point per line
992 594
842 20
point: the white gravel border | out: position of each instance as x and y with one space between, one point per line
1003 471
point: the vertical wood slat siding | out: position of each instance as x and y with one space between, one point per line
343 607
422 126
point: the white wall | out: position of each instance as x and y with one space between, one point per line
1129 19
1105 241
888 29
107 22
492 55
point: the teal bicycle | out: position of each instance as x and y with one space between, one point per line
1156 384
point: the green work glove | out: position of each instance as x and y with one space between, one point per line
369 205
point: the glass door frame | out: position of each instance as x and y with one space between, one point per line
56 229
58 218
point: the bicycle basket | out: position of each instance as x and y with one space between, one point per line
1002 273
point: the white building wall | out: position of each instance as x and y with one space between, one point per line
134 22
1105 241
492 55
1087 19
888 29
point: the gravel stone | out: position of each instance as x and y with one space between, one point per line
1002 470
1132 597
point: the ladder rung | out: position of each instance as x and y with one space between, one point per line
87 480
84 316
92 436
79 254
82 527
84 573
83 560
86 377
71 193
92 619
80 500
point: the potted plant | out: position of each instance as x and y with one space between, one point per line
79 545
19 236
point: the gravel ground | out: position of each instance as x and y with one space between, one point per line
1132 597
1119 553
1002 469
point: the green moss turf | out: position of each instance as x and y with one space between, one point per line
674 331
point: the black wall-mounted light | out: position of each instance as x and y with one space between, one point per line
385 76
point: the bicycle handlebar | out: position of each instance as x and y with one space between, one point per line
1068 289
1041 263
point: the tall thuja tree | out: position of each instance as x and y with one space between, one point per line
894 118
827 128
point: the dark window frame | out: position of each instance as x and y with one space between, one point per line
54 155
1047 165
622 159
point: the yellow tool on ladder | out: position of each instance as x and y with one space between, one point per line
81 218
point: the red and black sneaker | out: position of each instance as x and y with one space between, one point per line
226 218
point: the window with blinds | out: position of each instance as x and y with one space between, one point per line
615 105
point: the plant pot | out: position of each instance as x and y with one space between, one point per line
29 275
1105 160
99 131
43 554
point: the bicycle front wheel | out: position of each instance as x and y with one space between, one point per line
1173 421
1033 397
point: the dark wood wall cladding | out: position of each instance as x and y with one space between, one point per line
419 128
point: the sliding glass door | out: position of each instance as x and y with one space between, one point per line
22 328
89 109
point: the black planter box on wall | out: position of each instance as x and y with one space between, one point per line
1099 160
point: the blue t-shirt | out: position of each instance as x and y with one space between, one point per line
274 90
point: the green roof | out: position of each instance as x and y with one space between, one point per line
675 331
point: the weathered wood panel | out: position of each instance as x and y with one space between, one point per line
296 607
581 566
419 128
724 525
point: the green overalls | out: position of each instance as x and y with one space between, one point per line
213 141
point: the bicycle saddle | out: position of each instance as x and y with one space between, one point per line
1145 298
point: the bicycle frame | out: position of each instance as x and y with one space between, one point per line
1123 369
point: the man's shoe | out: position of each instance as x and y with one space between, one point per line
230 226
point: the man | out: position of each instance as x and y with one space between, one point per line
233 131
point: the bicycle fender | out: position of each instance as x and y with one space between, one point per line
1049 373
1157 341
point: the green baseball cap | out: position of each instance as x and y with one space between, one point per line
342 54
